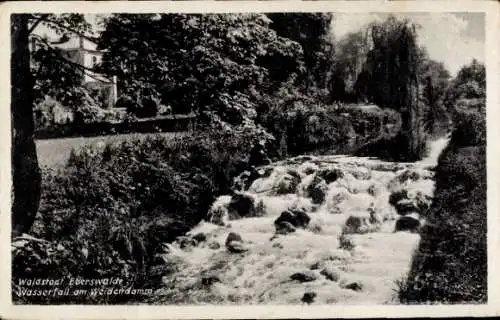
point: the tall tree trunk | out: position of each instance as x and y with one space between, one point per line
26 174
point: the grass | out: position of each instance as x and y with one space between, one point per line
450 264
54 153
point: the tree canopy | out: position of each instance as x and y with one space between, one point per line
189 60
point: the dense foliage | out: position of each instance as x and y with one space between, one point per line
450 264
312 32
112 209
57 77
190 61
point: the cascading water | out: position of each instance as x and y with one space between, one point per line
315 229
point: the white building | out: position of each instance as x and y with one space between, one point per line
84 52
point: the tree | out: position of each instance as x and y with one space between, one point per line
468 89
390 79
350 57
433 81
189 61
26 175
312 32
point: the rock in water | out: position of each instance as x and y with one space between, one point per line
330 273
200 237
330 174
209 280
218 213
308 297
287 183
241 205
233 236
214 245
235 244
186 243
356 286
317 190
407 223
356 224
284 228
406 206
296 218
305 276
278 245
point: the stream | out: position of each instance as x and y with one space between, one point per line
310 229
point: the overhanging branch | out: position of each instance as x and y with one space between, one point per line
36 23
75 64
44 18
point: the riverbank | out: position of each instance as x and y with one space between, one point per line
450 265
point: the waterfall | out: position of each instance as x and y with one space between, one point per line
339 229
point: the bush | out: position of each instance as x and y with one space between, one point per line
399 147
44 112
302 124
121 204
470 128
141 107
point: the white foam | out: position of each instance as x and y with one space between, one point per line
262 274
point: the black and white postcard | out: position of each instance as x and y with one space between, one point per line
243 159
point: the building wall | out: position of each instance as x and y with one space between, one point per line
90 60
84 52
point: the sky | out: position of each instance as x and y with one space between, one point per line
452 38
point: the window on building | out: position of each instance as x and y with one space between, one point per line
94 61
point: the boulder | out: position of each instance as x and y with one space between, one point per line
356 286
187 242
247 177
277 245
297 218
317 190
330 174
397 196
287 183
233 236
408 175
407 223
214 245
209 280
235 244
284 227
346 242
356 224
304 276
200 237
218 213
243 205
330 274
406 206
308 297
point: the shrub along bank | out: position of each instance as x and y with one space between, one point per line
450 265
